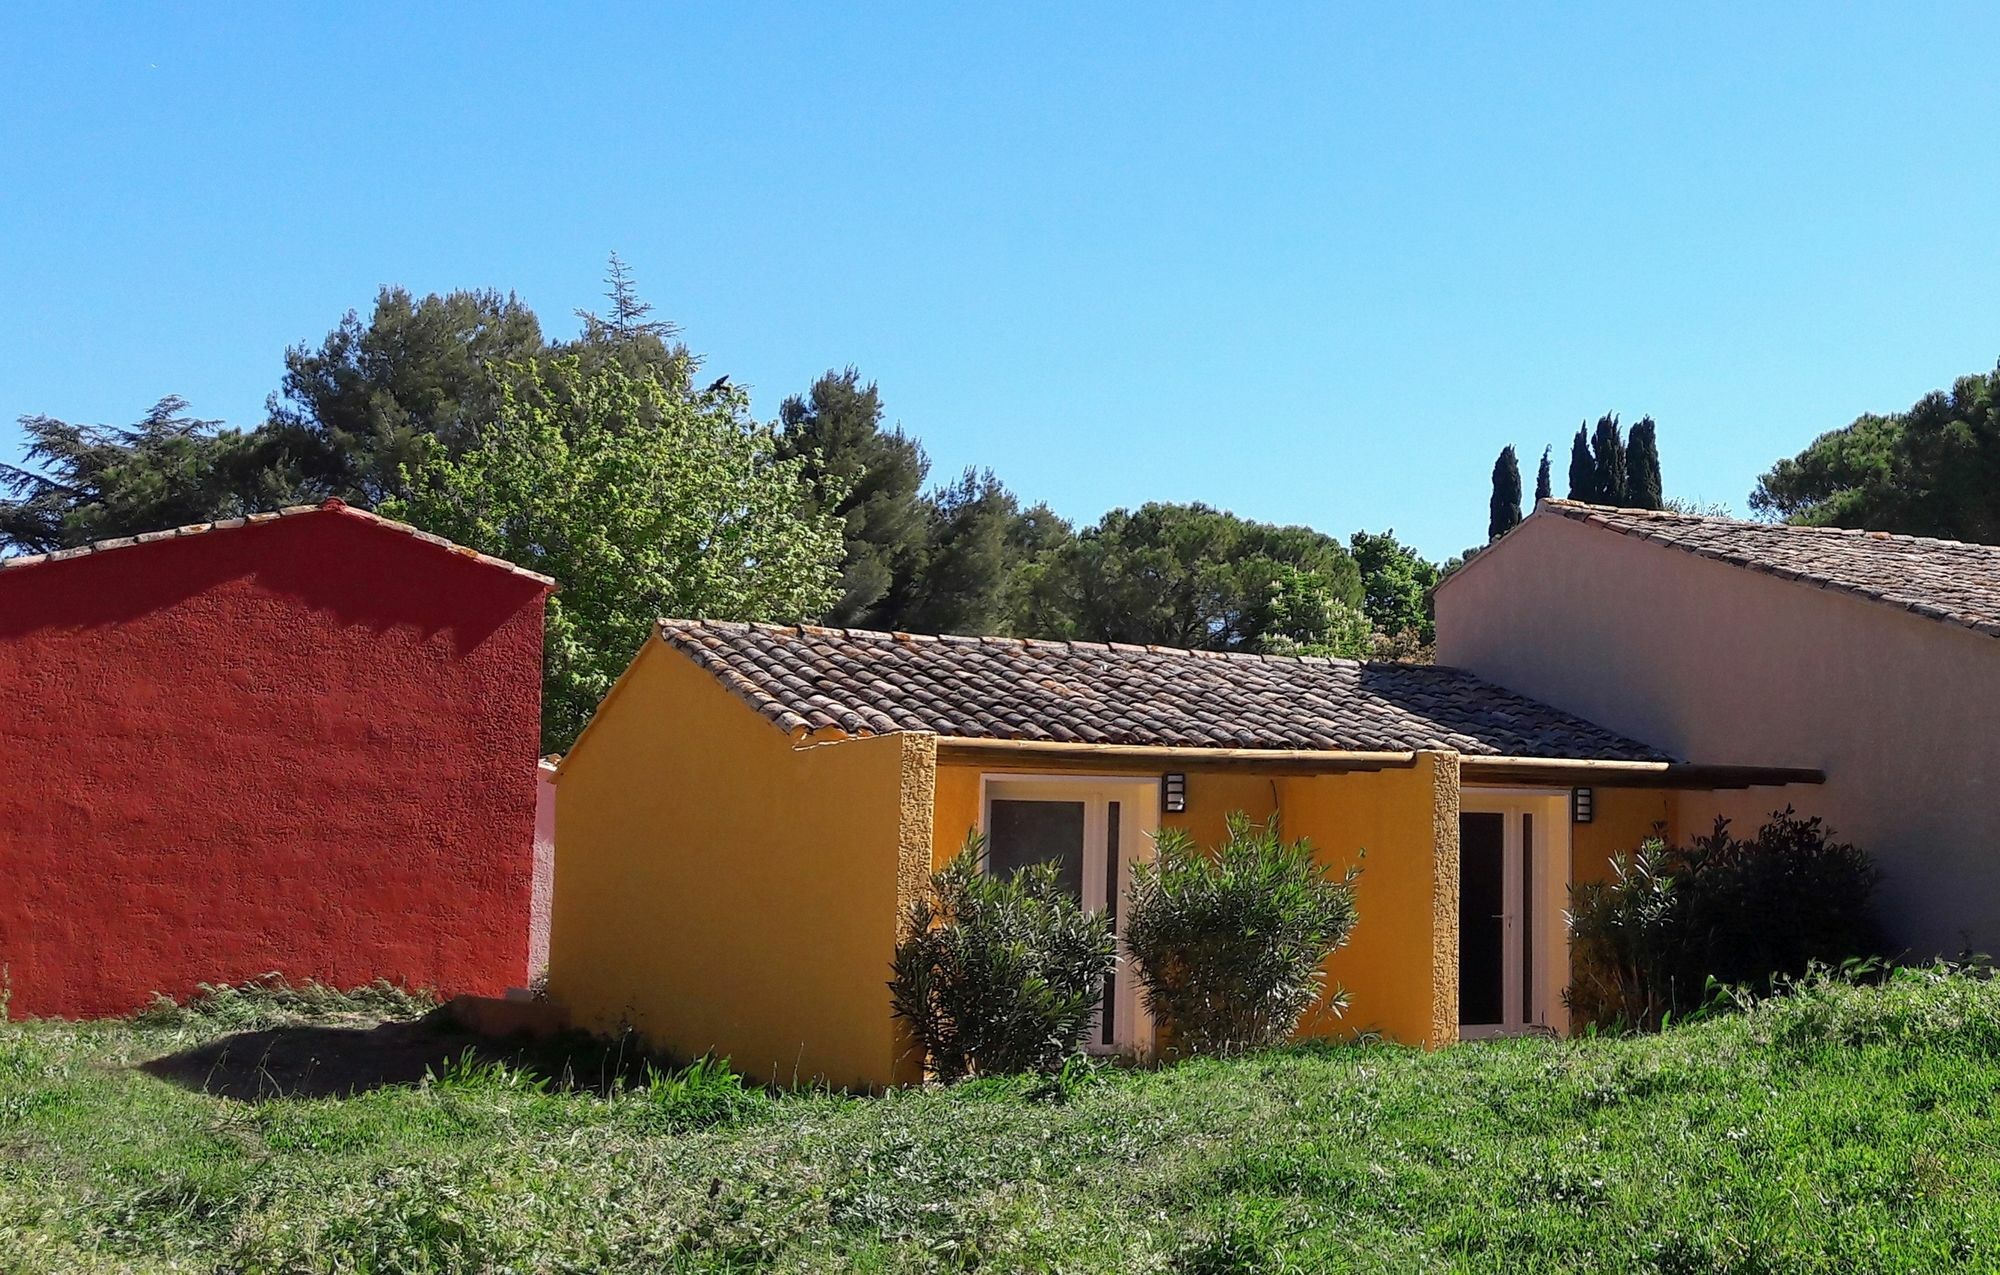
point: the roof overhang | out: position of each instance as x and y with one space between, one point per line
1475 770
969 750
1481 771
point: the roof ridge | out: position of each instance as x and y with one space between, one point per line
1954 582
807 679
331 505
1075 645
1570 508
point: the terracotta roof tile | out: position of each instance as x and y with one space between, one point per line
808 678
340 507
1946 580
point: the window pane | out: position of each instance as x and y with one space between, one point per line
1025 832
1108 1015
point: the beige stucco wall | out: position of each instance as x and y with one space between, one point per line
1724 665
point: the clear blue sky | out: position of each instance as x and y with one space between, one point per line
1310 265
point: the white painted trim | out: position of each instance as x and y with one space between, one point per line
1549 859
1138 823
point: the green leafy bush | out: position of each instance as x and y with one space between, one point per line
1672 922
999 973
1228 945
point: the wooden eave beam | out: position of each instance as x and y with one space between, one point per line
966 750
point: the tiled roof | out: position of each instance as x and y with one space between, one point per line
340 507
1944 580
805 678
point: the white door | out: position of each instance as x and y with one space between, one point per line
1513 882
1095 830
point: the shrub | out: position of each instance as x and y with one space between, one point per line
999 973
1228 946
1671 921
1625 936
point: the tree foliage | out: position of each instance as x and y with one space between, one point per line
694 514
1228 944
1396 585
1503 511
1582 467
978 545
352 414
1739 912
80 483
1607 456
1642 467
869 478
1189 575
1544 485
1933 470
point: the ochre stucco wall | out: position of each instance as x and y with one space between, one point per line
720 889
1211 796
1720 664
1623 819
305 746
1400 966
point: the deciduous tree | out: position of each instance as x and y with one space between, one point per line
696 516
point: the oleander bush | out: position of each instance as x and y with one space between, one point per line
1675 923
1228 943
999 973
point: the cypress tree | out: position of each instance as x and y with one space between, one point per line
1582 469
1543 487
1607 448
1504 511
1642 467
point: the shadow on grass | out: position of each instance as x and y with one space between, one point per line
318 1060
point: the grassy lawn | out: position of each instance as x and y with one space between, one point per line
1841 1129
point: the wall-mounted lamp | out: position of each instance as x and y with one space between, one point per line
1581 804
1173 794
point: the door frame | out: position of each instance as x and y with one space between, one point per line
1138 823
1543 883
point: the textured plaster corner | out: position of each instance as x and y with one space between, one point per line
914 822
915 826
1443 767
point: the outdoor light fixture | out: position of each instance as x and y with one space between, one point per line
1580 803
1173 794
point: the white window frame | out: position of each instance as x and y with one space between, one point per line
1550 880
1138 823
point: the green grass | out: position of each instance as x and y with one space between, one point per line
1838 1129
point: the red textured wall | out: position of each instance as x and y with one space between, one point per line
307 745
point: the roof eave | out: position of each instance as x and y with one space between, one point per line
1487 771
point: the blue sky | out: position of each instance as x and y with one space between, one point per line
1312 265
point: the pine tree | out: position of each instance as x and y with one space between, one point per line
1607 449
1643 488
1582 469
1544 488
628 310
870 478
1504 510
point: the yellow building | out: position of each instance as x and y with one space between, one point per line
741 827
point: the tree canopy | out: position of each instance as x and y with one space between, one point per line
1504 509
1189 575
1933 470
869 478
697 515
79 483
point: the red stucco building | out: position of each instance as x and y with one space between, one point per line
301 742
